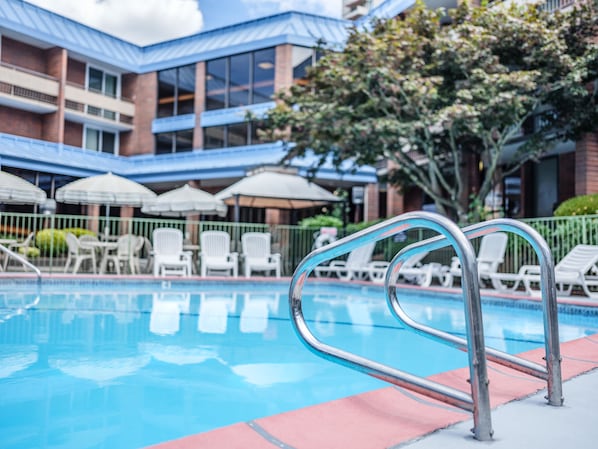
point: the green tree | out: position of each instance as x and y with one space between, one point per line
447 98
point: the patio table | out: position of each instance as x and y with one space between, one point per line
106 247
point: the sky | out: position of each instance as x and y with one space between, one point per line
145 22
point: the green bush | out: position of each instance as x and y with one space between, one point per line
51 242
78 232
579 205
30 252
321 221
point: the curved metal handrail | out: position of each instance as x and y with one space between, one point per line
552 372
479 401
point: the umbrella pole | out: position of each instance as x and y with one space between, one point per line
237 208
107 225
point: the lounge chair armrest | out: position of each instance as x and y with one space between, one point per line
337 263
529 269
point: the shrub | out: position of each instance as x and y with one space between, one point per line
51 242
78 232
321 221
579 205
30 252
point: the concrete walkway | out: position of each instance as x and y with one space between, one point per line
530 423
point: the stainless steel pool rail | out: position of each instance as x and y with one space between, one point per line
9 253
479 401
552 371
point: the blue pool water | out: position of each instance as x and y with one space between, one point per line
121 365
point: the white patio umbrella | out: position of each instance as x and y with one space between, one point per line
271 189
107 190
16 190
185 201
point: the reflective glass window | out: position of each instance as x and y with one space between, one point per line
263 75
216 83
214 137
240 70
237 135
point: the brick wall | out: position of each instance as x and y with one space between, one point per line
75 72
283 73
200 102
586 165
57 61
23 55
73 134
371 202
145 96
20 123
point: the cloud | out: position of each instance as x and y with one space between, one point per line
258 8
138 21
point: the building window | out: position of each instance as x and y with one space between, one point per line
303 58
176 91
101 82
240 80
239 134
99 140
174 142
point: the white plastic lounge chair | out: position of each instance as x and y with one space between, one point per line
490 255
78 254
579 267
257 255
169 257
357 265
412 271
214 309
215 255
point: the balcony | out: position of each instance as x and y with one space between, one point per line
27 90
85 106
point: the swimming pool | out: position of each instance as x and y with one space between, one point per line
100 364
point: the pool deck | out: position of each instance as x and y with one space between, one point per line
392 417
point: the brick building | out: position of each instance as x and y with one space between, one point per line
76 102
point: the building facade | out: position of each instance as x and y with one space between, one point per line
76 102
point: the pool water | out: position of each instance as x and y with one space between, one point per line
108 365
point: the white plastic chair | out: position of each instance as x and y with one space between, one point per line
78 254
490 255
169 257
127 253
20 247
215 254
357 265
257 255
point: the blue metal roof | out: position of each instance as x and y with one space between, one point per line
51 157
22 18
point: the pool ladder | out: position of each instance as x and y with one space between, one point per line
478 402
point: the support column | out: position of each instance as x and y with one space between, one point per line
586 164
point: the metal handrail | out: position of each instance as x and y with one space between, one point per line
479 401
22 260
552 372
